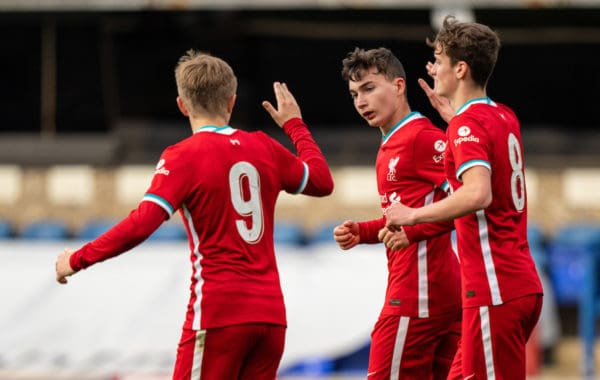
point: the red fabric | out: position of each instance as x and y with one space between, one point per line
240 352
225 183
494 339
424 348
128 233
492 243
424 278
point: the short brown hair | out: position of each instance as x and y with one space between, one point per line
360 60
476 44
205 83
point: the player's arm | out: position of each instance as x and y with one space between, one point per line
475 194
426 231
287 115
131 231
429 148
350 233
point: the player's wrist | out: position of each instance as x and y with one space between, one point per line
293 122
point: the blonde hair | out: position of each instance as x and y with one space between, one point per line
205 83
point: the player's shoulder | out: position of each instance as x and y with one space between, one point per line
426 126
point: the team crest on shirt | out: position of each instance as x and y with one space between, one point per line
465 135
391 176
160 168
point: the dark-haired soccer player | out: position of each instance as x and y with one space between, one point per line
224 182
501 290
418 329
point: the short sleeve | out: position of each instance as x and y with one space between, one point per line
469 143
170 183
429 148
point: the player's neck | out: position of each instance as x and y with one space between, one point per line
464 94
202 121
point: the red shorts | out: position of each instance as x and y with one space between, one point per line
493 340
413 348
240 352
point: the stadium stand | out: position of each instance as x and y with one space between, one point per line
288 233
94 228
46 229
578 247
5 229
169 231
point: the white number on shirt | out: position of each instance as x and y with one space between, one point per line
252 206
517 179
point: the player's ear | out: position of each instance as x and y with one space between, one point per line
400 83
461 69
182 107
231 104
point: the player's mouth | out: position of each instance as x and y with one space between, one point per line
369 115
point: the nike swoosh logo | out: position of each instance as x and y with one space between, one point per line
371 373
470 377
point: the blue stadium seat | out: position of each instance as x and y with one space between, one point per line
169 231
47 229
356 362
288 233
537 245
574 267
323 233
94 228
310 368
6 230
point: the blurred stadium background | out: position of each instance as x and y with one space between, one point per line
87 100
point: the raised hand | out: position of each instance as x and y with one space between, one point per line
441 104
287 107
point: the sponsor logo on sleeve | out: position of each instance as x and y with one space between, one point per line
160 168
465 135
439 146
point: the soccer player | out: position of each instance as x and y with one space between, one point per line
224 182
417 332
501 290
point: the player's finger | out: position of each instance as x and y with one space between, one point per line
342 238
340 230
425 86
269 108
289 96
381 234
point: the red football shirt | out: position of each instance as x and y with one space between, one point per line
492 243
424 278
225 183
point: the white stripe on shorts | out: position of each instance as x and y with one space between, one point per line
486 337
198 354
399 347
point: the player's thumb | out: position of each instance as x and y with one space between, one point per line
269 108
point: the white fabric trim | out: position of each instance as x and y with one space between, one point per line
198 355
197 269
399 347
488 261
486 340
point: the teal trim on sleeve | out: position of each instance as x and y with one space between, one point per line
469 164
159 201
304 180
